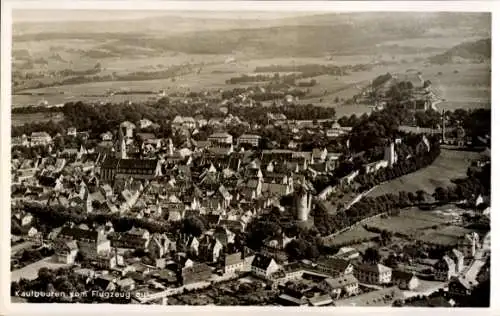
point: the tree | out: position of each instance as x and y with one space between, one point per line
193 226
391 261
398 303
296 249
441 194
371 255
420 196
385 237
480 296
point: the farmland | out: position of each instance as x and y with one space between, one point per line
449 165
461 85
39 59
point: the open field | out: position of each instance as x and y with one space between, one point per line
449 165
161 44
461 85
354 235
21 119
447 236
409 222
442 43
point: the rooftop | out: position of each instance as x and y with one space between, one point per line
384 297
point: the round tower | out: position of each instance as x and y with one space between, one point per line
303 199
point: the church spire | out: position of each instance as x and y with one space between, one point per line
170 147
121 153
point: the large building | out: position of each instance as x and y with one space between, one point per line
249 139
90 242
113 168
377 274
221 138
40 138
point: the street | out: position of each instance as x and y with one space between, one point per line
21 246
30 272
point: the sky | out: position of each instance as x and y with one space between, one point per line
103 15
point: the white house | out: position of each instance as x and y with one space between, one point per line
263 266
234 262
404 280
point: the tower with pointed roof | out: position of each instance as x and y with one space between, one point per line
121 152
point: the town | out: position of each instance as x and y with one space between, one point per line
250 158
242 205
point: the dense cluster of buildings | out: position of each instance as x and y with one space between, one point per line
216 186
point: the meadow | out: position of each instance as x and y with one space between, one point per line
461 85
408 222
356 235
444 235
449 165
21 119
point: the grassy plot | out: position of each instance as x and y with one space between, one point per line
353 236
25 118
449 165
447 236
408 222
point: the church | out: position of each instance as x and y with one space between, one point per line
122 167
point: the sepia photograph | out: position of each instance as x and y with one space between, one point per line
249 157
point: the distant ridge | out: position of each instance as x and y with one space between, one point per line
479 51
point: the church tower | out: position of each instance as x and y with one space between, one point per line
121 152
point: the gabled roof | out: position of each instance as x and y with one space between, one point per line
320 300
376 268
220 135
138 163
110 163
261 261
224 192
127 124
384 297
342 281
79 234
232 259
250 136
336 264
402 275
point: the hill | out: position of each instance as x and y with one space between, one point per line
312 35
478 51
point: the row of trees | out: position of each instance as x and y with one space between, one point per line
50 217
308 70
101 118
402 167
